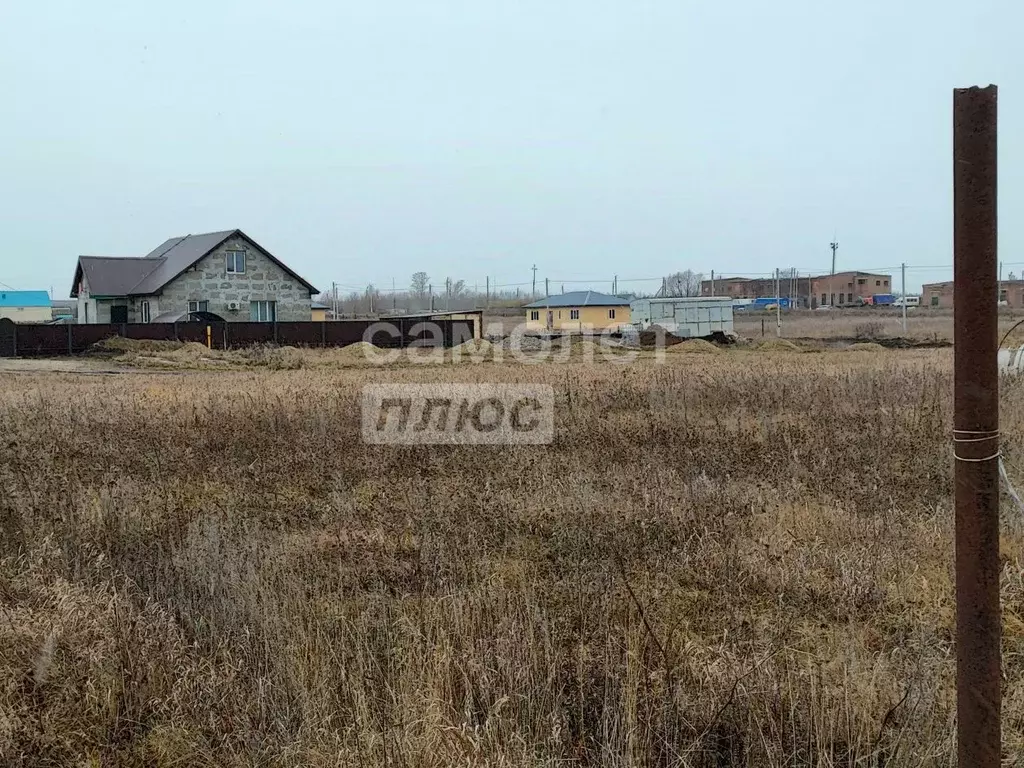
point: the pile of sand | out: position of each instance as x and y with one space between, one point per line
781 345
778 345
120 345
190 350
692 346
865 346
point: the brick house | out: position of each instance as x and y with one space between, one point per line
227 274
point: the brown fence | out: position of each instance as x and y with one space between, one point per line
30 340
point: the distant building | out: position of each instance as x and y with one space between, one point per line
578 311
318 311
25 306
842 289
845 289
940 295
797 289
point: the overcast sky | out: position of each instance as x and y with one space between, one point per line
362 141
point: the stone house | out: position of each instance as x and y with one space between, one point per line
227 275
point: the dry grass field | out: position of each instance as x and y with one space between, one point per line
741 558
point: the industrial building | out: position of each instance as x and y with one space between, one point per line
843 289
940 295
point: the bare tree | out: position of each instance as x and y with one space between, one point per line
420 281
681 284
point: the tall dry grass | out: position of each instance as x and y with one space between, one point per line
736 559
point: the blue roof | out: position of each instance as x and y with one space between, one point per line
24 299
579 299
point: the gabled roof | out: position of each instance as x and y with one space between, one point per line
579 299
112 275
24 299
134 276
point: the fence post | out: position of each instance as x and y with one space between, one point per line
176 331
71 350
275 329
124 330
14 340
323 334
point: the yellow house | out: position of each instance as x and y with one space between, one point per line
318 311
578 312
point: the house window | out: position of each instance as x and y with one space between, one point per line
235 261
849 298
574 314
1002 295
824 300
833 299
611 314
862 281
878 282
198 306
262 311
935 299
535 314
840 298
885 282
145 311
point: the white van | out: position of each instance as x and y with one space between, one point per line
908 301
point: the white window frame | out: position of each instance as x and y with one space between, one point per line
231 262
145 311
574 314
535 314
265 311
197 306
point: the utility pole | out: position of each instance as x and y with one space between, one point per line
394 296
778 306
712 282
615 286
903 294
487 295
533 292
834 245
999 295
430 293
976 427
334 301
546 291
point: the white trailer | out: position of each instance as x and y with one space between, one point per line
685 317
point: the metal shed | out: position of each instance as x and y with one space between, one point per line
684 317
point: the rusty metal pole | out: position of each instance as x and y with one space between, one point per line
976 427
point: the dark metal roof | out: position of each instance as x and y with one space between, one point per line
579 299
176 255
132 276
112 275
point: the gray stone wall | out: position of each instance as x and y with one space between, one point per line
262 280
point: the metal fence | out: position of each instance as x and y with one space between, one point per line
31 340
